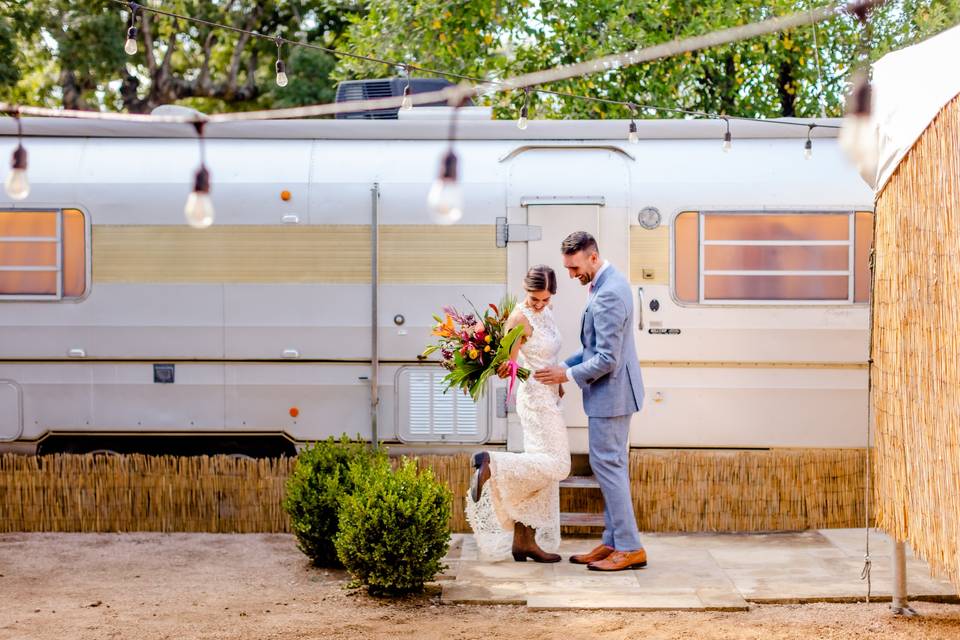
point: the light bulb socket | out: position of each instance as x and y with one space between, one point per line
132 33
727 138
860 97
808 145
201 183
281 68
406 91
19 160
523 111
633 127
448 166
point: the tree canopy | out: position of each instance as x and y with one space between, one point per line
70 52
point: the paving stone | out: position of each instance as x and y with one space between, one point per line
629 601
496 571
724 599
507 592
694 571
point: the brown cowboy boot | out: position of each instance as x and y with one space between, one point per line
481 462
525 546
598 554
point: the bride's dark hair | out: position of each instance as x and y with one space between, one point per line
541 278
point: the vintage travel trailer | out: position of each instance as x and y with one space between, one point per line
123 328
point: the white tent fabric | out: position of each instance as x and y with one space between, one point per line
910 87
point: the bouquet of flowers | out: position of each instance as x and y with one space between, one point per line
472 346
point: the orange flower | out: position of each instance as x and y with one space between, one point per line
444 329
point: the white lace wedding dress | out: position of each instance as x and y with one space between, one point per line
523 487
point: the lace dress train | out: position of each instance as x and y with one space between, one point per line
524 487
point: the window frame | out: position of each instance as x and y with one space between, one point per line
851 242
57 297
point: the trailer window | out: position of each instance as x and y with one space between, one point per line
772 257
43 254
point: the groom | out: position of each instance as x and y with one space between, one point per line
608 372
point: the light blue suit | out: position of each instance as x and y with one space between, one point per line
608 372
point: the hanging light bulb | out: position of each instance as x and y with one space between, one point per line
727 138
808 145
130 46
858 135
446 198
522 121
199 208
407 103
16 184
282 79
632 136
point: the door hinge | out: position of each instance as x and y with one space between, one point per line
516 232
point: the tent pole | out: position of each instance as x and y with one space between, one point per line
900 606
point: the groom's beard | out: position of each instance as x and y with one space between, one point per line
585 278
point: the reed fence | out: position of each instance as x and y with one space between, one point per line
916 347
673 491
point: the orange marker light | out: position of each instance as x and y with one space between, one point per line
285 195
294 412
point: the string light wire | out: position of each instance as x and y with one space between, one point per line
456 94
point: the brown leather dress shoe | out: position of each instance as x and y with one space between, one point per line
596 555
620 560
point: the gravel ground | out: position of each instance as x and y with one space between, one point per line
197 586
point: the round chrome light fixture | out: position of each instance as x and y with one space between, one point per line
649 217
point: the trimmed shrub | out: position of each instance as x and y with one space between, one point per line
320 480
394 528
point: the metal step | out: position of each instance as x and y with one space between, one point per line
580 482
582 519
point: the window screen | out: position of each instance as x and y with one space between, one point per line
427 414
772 257
43 254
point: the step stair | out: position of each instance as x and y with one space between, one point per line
580 482
581 519
573 519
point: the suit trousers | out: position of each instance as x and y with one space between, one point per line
609 459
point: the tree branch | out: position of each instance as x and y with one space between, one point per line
171 45
203 79
146 27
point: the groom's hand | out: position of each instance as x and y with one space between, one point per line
551 375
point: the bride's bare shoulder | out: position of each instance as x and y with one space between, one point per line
518 317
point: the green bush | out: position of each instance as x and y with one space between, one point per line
394 528
320 480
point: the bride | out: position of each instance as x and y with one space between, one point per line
514 501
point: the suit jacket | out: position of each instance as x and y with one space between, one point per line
607 368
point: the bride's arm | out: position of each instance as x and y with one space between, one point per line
515 319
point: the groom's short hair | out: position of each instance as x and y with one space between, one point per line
579 241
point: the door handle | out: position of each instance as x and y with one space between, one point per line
640 308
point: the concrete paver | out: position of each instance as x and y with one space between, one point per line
723 572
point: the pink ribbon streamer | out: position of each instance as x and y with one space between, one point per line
512 366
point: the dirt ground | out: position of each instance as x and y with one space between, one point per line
152 585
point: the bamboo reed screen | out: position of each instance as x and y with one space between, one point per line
916 347
673 491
